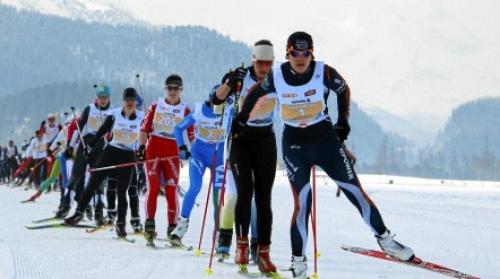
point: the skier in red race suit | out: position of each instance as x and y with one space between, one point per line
158 132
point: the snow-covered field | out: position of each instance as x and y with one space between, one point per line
454 223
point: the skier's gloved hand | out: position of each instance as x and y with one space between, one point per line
140 154
68 152
237 126
342 129
49 151
236 76
184 153
42 123
87 150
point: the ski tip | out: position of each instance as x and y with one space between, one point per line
345 247
315 275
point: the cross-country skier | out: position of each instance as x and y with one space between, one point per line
158 131
303 86
89 122
50 129
206 153
124 126
252 157
133 190
38 151
12 159
60 166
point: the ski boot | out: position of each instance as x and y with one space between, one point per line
264 262
99 217
75 218
110 217
149 232
179 231
135 222
242 252
62 211
89 213
170 229
224 244
254 244
299 267
120 229
393 248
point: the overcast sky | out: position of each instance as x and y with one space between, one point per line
412 57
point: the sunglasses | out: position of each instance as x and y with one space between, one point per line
297 53
264 63
172 88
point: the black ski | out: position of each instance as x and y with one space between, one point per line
45 220
58 225
124 238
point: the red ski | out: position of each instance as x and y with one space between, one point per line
416 262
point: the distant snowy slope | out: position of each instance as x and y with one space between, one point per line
110 12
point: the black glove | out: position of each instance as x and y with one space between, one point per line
184 153
68 152
42 124
342 129
237 127
87 150
236 76
140 154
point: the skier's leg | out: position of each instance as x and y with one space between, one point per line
240 161
171 171
77 172
123 176
227 216
54 174
298 170
196 171
133 195
153 178
333 160
264 165
230 198
111 198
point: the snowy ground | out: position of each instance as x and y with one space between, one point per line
454 223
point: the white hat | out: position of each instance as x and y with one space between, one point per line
263 50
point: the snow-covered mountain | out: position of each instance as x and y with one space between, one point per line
102 11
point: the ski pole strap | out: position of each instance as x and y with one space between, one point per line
133 163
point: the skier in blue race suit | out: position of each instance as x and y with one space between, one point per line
207 152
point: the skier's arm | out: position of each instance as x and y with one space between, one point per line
256 92
82 120
186 123
336 83
221 94
105 128
190 129
29 151
71 131
147 124
58 141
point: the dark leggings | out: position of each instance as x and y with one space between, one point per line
253 164
110 156
76 181
133 195
39 172
300 154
